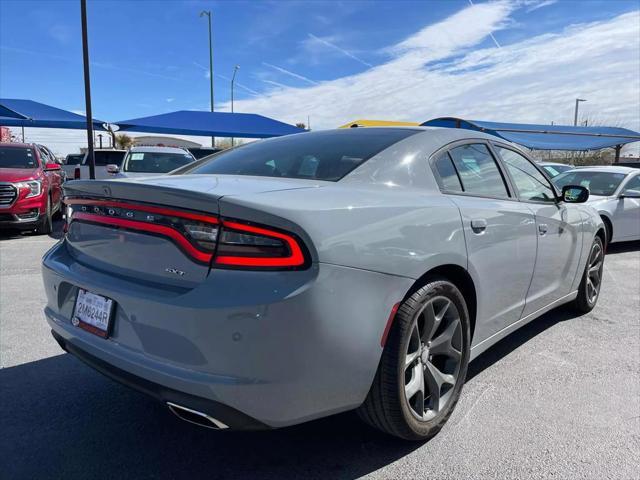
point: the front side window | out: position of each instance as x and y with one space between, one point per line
633 184
531 184
478 171
327 155
155 162
17 157
598 183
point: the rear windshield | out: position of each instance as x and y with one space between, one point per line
155 162
74 159
17 157
598 183
108 157
325 155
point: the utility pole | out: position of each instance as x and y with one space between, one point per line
233 80
87 89
575 112
208 14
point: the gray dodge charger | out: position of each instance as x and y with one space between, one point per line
297 277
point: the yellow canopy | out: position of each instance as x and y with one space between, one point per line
379 123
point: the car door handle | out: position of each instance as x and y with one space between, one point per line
542 228
478 225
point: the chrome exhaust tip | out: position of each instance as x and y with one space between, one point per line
193 416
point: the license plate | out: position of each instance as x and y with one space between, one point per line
92 313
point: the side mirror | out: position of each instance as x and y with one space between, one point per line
630 194
51 167
575 194
113 168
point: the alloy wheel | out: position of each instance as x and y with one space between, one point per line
433 357
594 272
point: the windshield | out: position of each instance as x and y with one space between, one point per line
16 157
598 183
155 162
74 159
327 155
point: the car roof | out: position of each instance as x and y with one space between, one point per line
17 145
608 169
158 150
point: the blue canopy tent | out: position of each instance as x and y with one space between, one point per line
210 124
27 113
546 137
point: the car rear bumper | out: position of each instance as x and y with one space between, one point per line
253 349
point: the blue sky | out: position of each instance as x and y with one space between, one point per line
332 61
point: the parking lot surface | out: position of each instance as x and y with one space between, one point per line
560 398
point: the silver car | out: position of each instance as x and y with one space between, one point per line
146 161
615 193
297 277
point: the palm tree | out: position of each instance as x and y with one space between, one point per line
124 141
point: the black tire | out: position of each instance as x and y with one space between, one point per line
57 215
608 229
386 406
45 225
586 301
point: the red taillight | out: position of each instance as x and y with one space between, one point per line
206 239
76 173
243 245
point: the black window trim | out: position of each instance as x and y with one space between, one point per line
511 192
554 189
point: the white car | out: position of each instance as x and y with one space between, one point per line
615 193
147 161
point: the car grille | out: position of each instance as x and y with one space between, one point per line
8 194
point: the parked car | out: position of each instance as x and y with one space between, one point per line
102 159
301 276
615 193
30 188
555 169
146 161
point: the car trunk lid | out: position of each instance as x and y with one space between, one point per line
146 229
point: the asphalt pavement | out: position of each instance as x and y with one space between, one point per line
560 398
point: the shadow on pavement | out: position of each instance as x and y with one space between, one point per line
61 419
623 247
11 233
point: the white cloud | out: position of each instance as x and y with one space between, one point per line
435 72
169 100
327 43
290 73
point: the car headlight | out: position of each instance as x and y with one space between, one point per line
34 187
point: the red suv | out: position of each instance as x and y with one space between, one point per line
30 187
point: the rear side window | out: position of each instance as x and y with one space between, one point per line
478 171
106 157
74 159
447 175
327 155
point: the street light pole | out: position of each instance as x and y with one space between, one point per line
208 14
87 90
233 80
575 112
